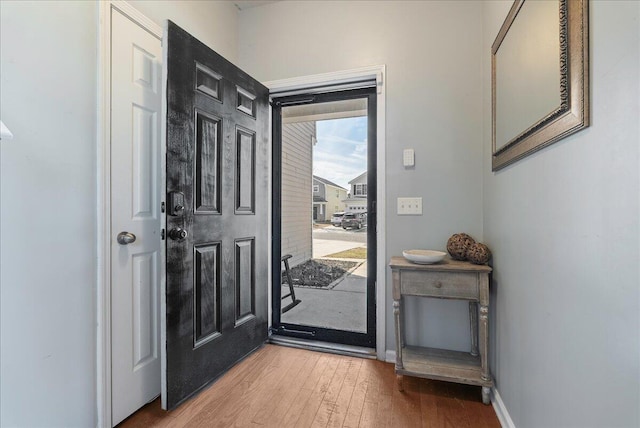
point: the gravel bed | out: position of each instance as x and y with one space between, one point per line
318 273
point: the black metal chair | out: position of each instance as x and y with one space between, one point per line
292 293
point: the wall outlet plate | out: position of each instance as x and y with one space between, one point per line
410 206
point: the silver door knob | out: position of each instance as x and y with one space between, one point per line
178 234
125 238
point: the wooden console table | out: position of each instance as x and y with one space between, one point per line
449 279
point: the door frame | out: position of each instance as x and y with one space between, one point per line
103 186
350 78
343 337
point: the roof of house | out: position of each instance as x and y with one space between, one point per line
325 181
364 174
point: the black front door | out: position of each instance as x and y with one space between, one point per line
217 175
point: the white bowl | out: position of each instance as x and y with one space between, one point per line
424 257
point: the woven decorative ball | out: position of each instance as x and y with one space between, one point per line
478 254
458 245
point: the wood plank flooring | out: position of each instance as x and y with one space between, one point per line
287 387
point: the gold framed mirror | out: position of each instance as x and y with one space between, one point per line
539 77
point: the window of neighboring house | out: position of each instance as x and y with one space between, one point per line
360 189
316 188
335 208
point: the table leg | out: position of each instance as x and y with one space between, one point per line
397 316
398 319
399 380
473 320
486 398
483 332
484 342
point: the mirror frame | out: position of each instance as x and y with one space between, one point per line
572 114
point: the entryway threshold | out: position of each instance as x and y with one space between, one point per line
332 348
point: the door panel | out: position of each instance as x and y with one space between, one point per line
207 292
217 150
245 167
207 179
135 208
245 280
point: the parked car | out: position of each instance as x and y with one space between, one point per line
336 219
354 220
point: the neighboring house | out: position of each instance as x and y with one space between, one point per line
357 200
297 147
328 198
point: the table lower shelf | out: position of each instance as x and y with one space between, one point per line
442 364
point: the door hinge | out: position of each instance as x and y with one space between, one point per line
162 234
162 207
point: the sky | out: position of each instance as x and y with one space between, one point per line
340 154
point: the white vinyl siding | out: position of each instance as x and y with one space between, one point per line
358 200
296 198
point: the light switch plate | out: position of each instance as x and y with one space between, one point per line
408 157
409 206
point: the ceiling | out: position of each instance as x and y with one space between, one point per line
247 4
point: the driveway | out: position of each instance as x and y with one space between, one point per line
339 234
322 247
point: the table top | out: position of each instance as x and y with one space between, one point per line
446 265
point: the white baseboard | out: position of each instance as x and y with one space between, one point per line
501 410
390 356
496 400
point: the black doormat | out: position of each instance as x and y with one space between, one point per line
318 273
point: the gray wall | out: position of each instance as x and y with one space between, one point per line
563 228
48 221
434 101
214 23
48 81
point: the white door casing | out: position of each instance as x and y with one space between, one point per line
136 71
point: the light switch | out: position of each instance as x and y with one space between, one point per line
409 206
408 157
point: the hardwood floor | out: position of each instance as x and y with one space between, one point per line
288 387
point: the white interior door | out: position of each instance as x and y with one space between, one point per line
136 58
